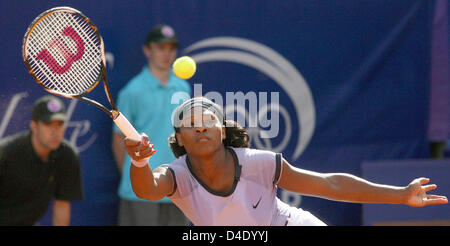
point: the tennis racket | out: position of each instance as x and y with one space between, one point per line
65 54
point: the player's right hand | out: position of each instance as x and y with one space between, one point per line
139 150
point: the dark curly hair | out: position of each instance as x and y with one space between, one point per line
236 136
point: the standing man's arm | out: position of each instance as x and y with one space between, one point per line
61 213
126 104
118 149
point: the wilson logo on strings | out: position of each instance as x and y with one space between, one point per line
59 44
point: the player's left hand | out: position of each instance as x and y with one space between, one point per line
417 194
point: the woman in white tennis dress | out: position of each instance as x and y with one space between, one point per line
218 180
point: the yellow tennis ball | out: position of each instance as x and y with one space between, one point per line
184 67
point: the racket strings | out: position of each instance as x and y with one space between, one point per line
48 26
87 31
64 53
40 37
43 70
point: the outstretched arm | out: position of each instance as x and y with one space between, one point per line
147 184
349 188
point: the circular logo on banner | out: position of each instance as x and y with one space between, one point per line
272 64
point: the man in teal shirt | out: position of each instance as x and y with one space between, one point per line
146 100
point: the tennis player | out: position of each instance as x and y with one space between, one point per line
218 180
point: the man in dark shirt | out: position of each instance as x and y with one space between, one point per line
38 165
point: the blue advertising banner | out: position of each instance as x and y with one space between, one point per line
329 84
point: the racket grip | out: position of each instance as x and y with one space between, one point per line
125 126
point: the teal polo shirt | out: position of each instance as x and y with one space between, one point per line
147 105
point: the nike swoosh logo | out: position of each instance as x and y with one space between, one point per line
256 205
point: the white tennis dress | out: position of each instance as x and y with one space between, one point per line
252 201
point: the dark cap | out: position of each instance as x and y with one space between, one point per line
162 33
47 109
